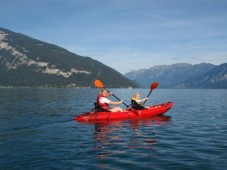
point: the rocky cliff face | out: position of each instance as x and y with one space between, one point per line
17 59
25 61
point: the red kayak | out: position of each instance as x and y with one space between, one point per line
126 114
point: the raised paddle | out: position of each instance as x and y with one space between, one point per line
99 84
152 87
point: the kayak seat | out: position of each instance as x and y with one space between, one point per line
97 108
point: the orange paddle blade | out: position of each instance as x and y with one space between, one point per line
98 84
154 85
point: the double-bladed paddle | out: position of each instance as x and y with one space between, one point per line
99 84
152 87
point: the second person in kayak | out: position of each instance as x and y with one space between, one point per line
103 102
136 102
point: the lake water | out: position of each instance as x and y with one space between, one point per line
37 131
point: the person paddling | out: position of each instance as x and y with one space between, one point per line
103 102
136 102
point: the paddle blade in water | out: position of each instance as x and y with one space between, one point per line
154 85
98 84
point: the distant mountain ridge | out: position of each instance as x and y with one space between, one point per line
182 75
25 61
215 78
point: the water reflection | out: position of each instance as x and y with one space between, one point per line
155 120
135 124
114 138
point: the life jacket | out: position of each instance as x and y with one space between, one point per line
136 105
134 100
104 106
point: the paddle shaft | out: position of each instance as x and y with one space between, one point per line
118 98
147 97
152 87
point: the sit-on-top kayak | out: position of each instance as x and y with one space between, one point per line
126 114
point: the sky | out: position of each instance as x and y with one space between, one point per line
126 34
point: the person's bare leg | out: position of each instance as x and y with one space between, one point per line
116 109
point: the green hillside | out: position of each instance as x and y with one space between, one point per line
25 61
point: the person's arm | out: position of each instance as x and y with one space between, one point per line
138 101
109 94
105 100
144 99
114 103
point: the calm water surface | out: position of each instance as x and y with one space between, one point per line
37 131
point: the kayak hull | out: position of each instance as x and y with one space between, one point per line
150 111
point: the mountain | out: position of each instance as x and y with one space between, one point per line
168 75
25 61
215 78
